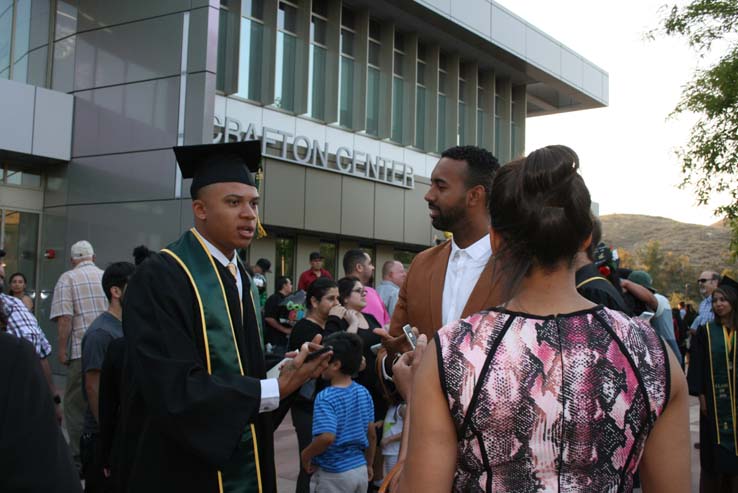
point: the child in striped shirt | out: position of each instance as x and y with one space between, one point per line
341 454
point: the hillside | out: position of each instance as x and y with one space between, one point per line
706 246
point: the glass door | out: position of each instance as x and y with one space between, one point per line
19 238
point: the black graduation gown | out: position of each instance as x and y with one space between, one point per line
599 291
713 457
188 423
34 457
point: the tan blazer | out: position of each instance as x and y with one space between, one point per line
420 300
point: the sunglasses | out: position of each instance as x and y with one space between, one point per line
702 281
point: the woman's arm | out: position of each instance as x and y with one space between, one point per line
666 460
431 455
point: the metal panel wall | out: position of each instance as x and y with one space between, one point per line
322 201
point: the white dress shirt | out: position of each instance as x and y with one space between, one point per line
462 273
270 386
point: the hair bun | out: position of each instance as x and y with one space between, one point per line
541 205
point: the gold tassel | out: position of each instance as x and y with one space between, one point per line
260 231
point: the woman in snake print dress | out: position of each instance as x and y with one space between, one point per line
550 393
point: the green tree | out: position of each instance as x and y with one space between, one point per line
671 273
710 158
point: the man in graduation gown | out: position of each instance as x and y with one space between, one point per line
200 397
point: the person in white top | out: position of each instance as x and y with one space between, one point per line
453 279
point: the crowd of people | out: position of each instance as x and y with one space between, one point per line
535 362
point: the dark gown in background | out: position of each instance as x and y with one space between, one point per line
188 423
714 459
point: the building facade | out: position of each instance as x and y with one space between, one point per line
353 100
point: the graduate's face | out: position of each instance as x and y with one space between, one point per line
721 305
226 214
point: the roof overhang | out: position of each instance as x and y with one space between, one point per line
557 79
36 124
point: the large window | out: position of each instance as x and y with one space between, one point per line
373 78
461 128
318 53
19 239
420 100
13 175
284 80
513 131
285 258
251 52
347 69
442 82
498 127
24 39
329 251
398 86
6 31
405 256
480 116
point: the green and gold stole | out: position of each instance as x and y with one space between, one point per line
722 376
221 349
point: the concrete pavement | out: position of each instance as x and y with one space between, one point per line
285 450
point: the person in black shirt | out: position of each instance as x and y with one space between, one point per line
321 297
277 332
35 456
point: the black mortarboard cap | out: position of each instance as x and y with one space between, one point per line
729 282
217 163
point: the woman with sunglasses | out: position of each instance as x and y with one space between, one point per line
712 377
348 317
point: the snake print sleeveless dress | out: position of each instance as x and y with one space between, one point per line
551 404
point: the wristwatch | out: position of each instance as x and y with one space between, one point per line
57 399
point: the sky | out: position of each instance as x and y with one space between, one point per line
626 149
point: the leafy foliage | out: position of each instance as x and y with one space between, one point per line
710 158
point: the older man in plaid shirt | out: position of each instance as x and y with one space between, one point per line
21 323
78 300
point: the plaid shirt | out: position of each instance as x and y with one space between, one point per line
79 294
22 324
705 313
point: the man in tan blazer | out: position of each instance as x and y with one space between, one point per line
454 279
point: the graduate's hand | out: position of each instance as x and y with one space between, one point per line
298 371
307 465
394 345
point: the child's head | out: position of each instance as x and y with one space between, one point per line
347 354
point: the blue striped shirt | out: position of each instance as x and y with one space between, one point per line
705 313
346 413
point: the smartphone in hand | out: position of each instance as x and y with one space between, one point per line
315 354
410 335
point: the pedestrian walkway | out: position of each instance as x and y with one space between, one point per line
285 450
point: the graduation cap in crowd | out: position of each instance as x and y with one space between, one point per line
728 282
220 163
